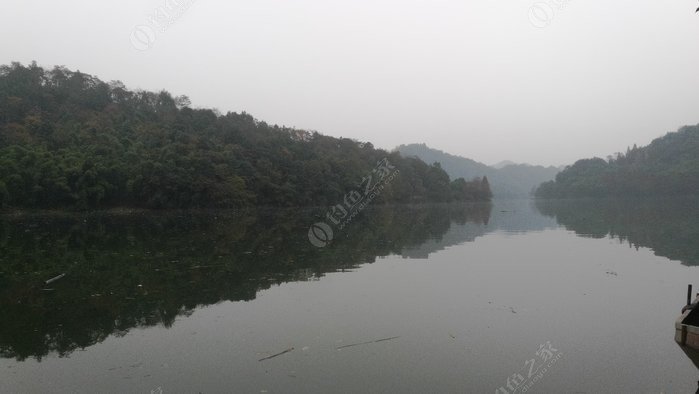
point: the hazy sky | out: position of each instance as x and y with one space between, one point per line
486 79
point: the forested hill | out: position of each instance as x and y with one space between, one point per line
70 140
669 166
507 180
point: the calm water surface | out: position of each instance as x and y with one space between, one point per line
438 298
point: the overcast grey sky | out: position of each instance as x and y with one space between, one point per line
486 79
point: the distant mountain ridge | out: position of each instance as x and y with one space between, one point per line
503 164
507 180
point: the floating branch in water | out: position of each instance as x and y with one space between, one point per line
368 342
277 355
54 279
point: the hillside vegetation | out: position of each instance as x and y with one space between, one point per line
70 140
669 166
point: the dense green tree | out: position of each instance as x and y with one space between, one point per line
669 166
4 194
484 190
69 140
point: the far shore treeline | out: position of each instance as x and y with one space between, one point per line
667 167
71 141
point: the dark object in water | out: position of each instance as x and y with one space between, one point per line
368 342
48 282
276 355
687 325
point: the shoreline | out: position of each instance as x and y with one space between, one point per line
19 212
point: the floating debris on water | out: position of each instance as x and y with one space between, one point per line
54 279
368 342
277 355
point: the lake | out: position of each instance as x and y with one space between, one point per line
524 296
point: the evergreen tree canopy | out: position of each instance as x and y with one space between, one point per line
669 166
70 140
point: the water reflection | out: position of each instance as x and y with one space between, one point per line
509 216
669 227
466 316
126 271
